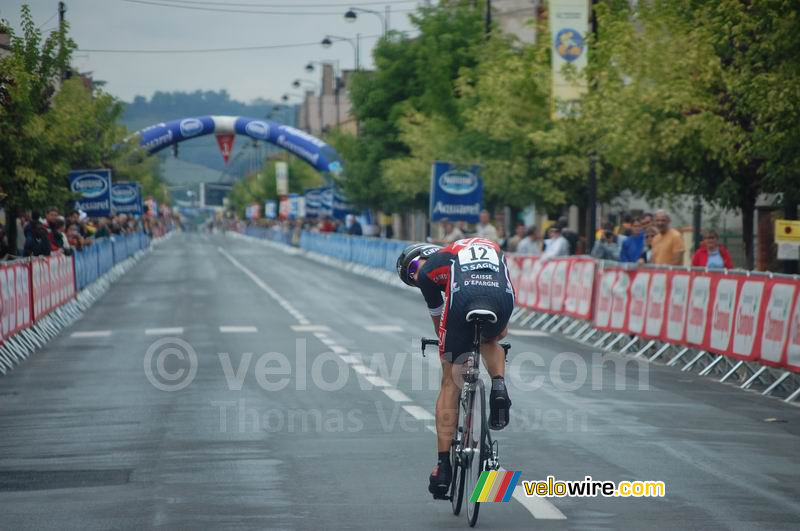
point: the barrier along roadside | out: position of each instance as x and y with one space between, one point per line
39 296
731 324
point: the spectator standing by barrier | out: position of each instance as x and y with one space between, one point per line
711 253
556 245
451 233
607 247
514 241
39 243
668 247
530 244
353 226
485 229
647 253
570 235
633 246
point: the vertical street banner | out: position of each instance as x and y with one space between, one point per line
284 207
94 189
253 211
126 198
340 205
569 29
326 202
456 194
282 178
271 209
312 202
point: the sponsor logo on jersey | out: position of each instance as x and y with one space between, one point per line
478 266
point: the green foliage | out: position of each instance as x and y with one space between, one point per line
50 124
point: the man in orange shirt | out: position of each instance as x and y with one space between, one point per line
668 245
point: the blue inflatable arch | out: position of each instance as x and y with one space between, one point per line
309 148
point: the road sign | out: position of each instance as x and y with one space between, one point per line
787 231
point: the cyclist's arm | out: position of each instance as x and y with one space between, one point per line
432 292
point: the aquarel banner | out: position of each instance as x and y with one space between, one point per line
126 198
569 28
456 194
312 201
94 188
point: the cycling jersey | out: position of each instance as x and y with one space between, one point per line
472 274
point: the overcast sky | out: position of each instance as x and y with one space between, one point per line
246 75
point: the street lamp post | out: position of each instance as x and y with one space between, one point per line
328 41
352 14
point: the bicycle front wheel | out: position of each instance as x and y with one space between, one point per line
475 446
457 486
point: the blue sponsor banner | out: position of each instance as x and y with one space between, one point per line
340 205
294 207
94 187
126 198
271 209
326 202
312 196
456 194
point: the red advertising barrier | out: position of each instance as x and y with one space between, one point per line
52 282
559 285
15 312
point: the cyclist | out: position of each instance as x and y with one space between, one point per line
472 273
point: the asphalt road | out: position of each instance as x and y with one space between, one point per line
310 408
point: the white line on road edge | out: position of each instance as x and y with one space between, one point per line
396 395
383 328
310 328
540 508
351 359
164 331
263 285
377 381
431 428
360 369
528 333
94 333
237 329
419 413
336 349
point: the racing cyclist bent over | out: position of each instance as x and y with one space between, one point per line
472 274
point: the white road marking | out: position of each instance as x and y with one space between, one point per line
528 333
396 395
360 369
419 413
383 328
263 285
164 331
92 333
310 328
237 329
540 508
430 428
336 349
328 341
304 321
351 360
377 381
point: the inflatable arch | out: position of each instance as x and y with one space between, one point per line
309 148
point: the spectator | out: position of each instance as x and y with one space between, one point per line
485 229
451 233
711 253
51 216
530 244
102 229
22 220
607 247
570 235
633 246
326 225
353 226
556 245
74 237
501 237
668 248
513 242
647 252
647 221
39 244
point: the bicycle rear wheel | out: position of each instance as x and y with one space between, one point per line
457 486
475 449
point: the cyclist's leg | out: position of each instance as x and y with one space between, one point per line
446 408
493 355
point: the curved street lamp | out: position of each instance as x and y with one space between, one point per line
328 41
352 14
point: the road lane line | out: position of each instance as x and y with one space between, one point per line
177 330
91 333
360 369
419 413
351 360
528 333
377 381
431 428
383 328
396 395
336 349
237 329
310 328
